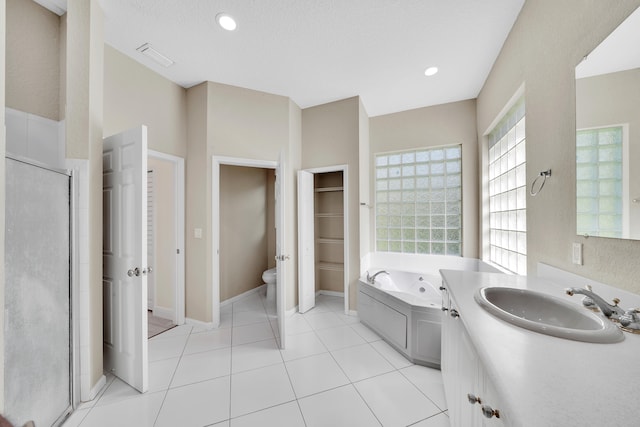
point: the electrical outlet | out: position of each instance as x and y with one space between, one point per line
577 253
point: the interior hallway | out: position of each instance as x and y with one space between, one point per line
334 372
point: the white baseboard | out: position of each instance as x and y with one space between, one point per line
244 294
95 390
164 312
331 293
194 322
353 313
291 311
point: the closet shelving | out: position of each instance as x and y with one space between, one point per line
329 231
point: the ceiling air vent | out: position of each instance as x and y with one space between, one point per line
147 50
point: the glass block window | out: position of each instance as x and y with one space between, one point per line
599 187
419 201
508 192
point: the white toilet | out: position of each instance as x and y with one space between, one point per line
270 277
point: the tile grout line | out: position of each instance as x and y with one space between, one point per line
164 398
297 399
351 383
417 388
231 373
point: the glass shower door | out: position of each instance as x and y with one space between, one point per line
37 332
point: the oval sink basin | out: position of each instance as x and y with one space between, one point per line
547 314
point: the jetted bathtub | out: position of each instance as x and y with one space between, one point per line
404 307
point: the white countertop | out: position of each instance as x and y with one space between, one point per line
544 380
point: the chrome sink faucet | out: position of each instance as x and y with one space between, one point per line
372 279
613 312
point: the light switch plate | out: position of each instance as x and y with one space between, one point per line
577 253
197 233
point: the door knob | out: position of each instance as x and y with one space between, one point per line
282 257
134 272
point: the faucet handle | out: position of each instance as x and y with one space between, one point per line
630 317
589 288
616 301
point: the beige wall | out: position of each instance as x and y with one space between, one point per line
232 122
164 263
367 215
612 99
243 229
547 41
198 202
446 124
135 95
330 137
271 218
33 59
84 107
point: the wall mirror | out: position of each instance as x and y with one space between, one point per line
608 136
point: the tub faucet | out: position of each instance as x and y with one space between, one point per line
372 279
613 312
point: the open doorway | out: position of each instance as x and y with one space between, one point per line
279 196
247 233
165 242
323 235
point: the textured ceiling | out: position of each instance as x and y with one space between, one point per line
317 51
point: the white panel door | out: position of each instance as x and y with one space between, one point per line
125 256
281 259
306 242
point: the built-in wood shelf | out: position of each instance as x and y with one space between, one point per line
330 215
331 241
328 189
331 266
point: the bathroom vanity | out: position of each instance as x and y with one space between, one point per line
498 374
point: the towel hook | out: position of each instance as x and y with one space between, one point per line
543 175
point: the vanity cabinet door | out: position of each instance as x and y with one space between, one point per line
449 343
490 398
470 380
464 375
459 370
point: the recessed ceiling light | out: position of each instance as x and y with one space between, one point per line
226 21
430 71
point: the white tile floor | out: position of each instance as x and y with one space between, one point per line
334 372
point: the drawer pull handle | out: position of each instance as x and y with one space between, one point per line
473 399
489 412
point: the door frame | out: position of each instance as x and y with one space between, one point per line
345 201
179 206
216 162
